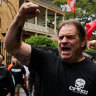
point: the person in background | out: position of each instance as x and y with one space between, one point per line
88 56
19 74
12 63
70 74
92 44
6 81
3 63
27 76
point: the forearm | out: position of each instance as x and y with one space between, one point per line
13 39
25 78
13 35
14 32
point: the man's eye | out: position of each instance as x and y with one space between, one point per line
60 37
70 37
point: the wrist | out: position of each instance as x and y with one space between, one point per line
19 20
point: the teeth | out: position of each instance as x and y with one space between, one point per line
65 48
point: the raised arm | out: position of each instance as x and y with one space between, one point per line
13 39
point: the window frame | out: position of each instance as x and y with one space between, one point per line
0 2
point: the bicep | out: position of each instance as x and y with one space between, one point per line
23 53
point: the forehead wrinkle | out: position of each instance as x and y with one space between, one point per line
70 31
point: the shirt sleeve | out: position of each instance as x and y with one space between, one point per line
38 57
41 59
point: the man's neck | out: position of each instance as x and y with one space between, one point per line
75 60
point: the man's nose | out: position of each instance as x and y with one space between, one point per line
64 40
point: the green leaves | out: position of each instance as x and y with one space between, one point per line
90 50
41 40
85 10
58 2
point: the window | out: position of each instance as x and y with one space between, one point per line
0 2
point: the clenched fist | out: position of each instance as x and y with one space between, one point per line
92 44
28 10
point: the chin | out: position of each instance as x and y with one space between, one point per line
64 58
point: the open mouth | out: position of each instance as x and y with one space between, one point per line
66 49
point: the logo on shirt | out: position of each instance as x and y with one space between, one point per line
79 87
16 70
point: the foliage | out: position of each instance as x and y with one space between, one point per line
93 37
59 2
85 10
68 15
41 40
90 50
85 13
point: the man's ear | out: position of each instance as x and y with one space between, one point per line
83 42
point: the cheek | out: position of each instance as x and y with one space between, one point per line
59 46
76 41
59 43
75 44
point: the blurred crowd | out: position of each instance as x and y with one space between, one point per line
18 76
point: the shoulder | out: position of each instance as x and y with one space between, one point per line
42 51
90 65
22 67
4 71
